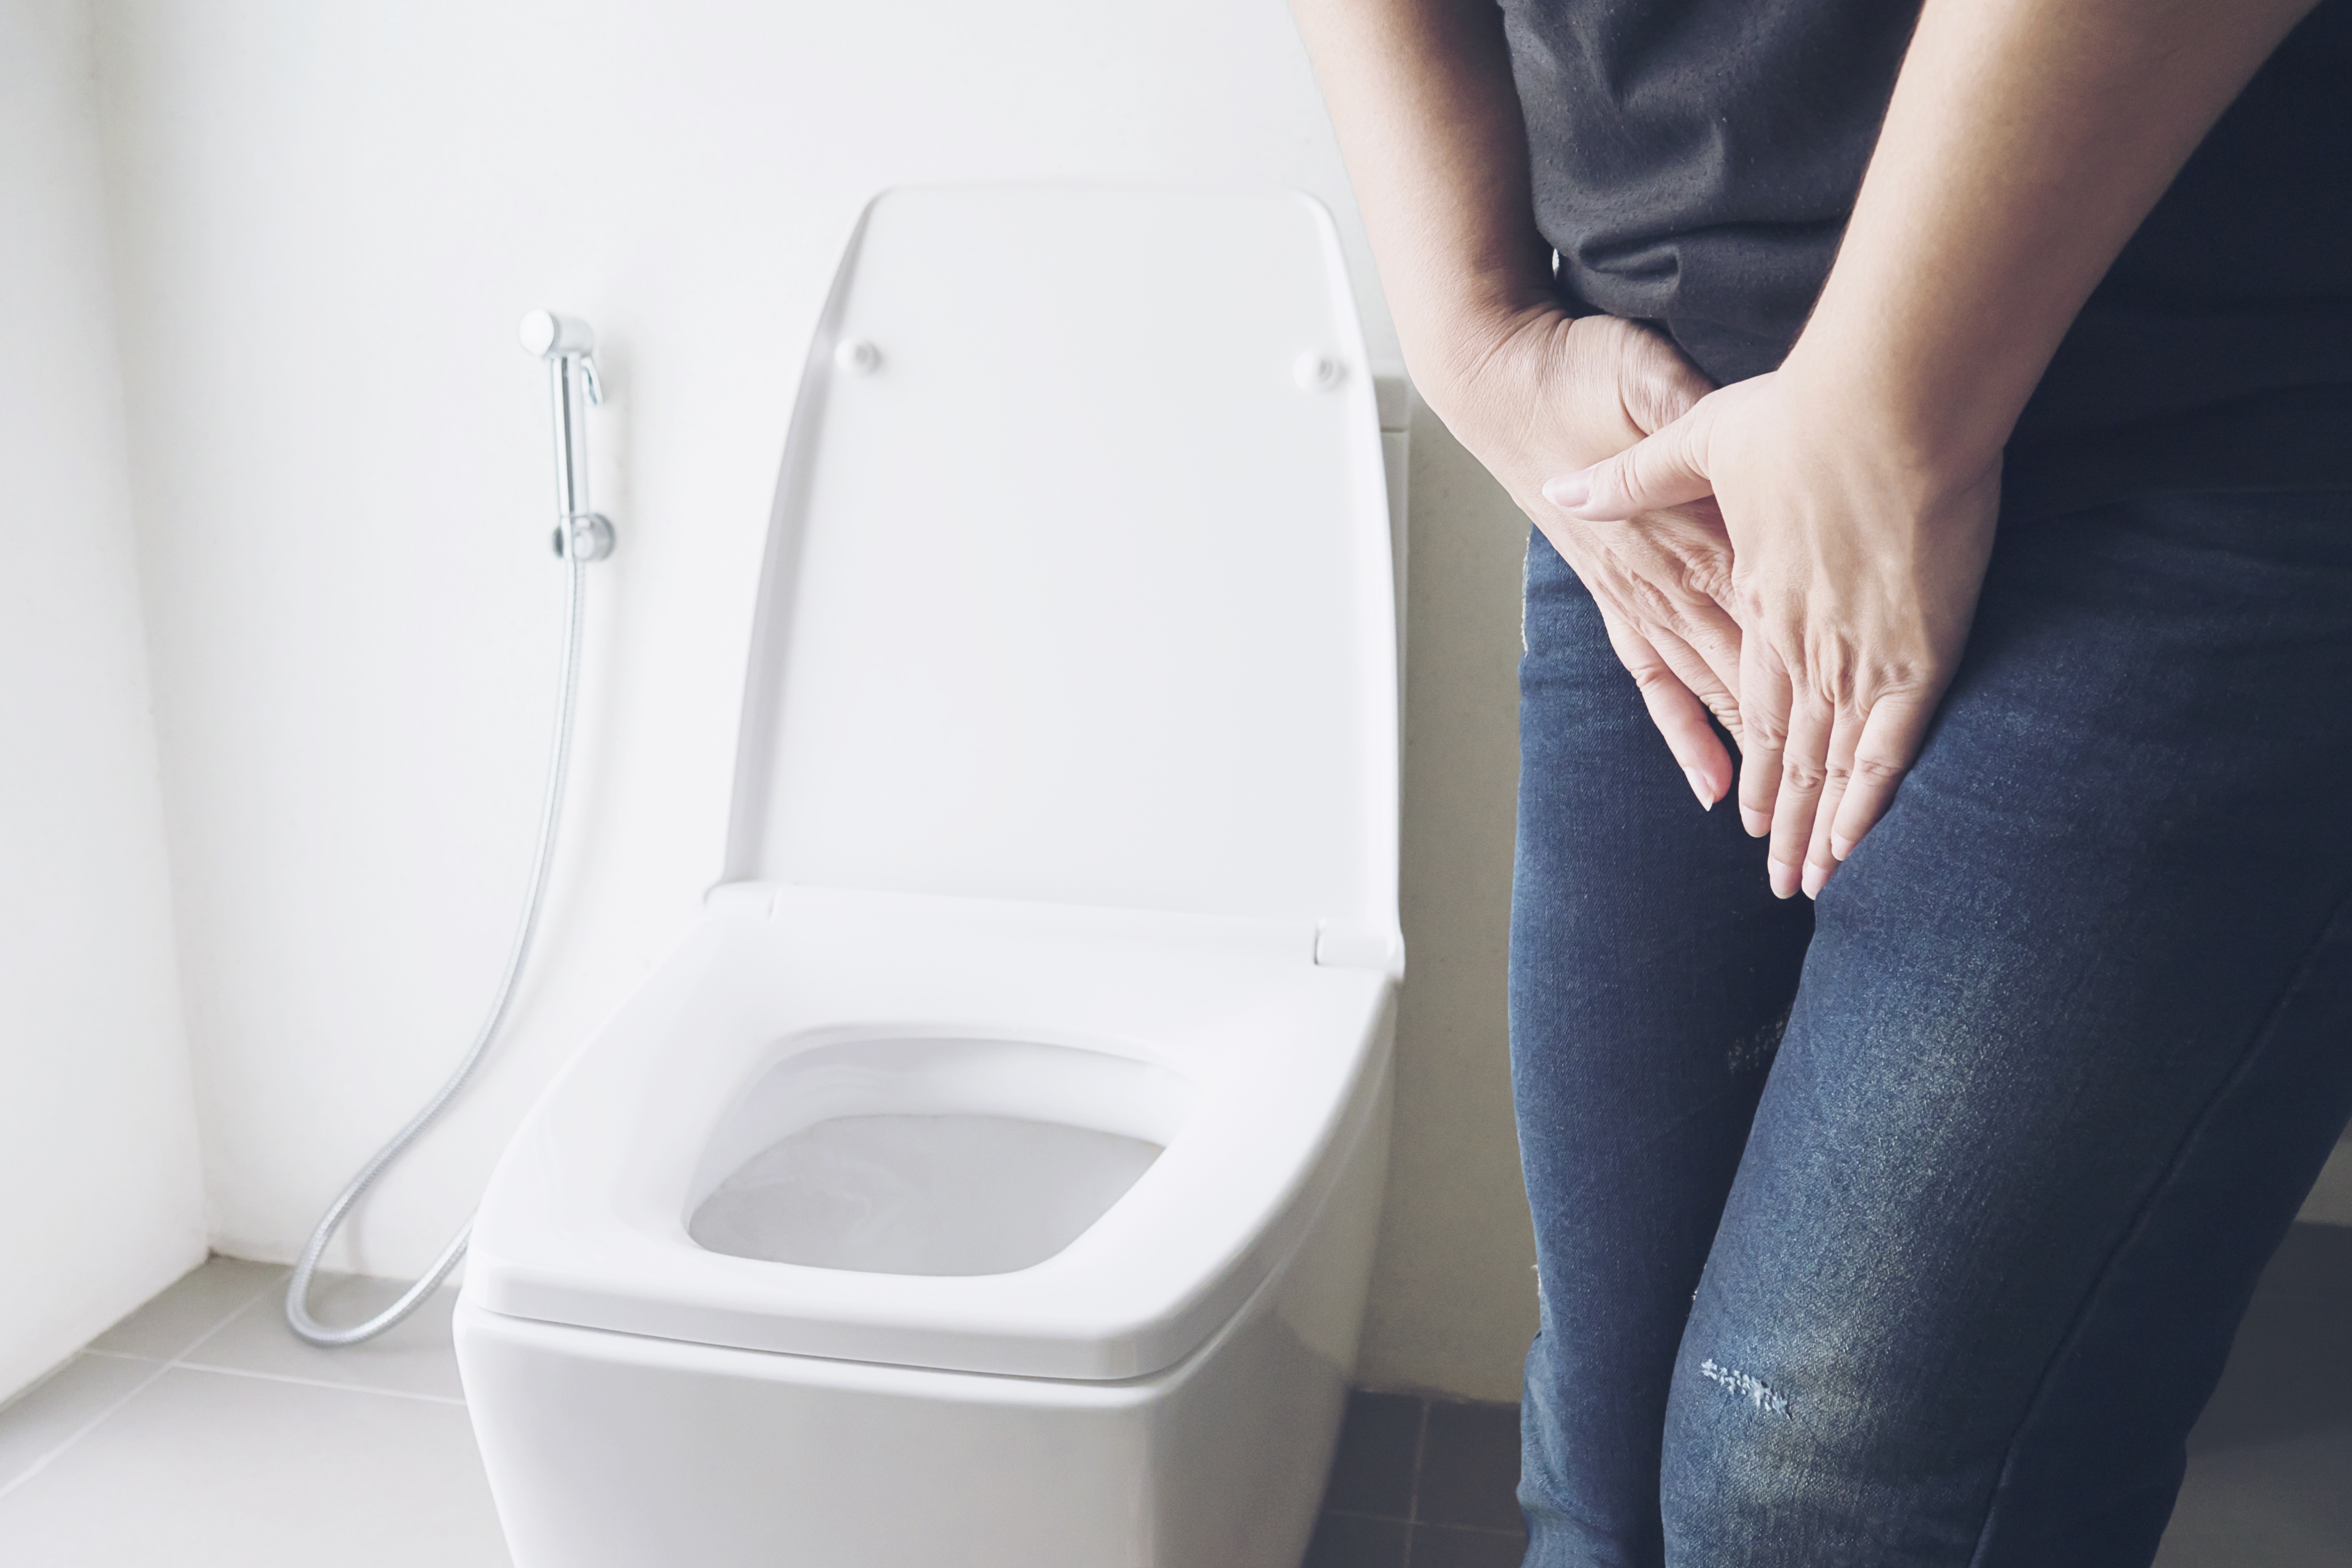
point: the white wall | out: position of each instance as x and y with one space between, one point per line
330 216
100 1197
1454 1305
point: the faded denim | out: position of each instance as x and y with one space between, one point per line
1909 1230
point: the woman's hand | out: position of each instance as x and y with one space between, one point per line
1855 566
1541 391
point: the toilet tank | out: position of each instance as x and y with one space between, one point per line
1078 584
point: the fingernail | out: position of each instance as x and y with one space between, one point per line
1758 823
1783 876
1698 787
1814 876
1841 847
1568 490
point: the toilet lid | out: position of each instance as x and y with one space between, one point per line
1078 586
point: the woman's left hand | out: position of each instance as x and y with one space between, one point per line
1856 557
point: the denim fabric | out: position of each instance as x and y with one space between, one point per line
1911 1227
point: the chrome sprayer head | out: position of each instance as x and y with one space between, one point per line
568 345
551 336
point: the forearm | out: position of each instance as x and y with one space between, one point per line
2025 142
1420 93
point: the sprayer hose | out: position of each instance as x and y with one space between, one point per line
550 816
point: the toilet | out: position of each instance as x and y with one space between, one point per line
989 1179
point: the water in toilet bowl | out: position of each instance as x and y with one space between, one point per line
953 1194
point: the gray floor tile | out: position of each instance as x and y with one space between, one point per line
207 1469
53 1410
203 1297
1444 1546
1469 1467
1352 1541
416 1357
1379 1445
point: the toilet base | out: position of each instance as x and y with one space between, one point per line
612 1450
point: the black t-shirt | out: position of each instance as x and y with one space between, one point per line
1694 162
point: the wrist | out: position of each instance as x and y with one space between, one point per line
1944 418
1451 346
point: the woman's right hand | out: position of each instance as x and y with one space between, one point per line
1541 391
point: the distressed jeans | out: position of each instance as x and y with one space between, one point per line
1911 1227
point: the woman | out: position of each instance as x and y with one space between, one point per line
1951 408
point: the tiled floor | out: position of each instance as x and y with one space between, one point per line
1428 1482
197 1434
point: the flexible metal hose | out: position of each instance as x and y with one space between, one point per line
551 816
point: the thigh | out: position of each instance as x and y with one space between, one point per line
2074 1036
1650 973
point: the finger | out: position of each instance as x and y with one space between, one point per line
1680 717
1704 683
1888 746
1666 469
1714 642
1704 600
1836 771
1763 731
1803 761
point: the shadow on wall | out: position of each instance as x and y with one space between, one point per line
2276 1389
1453 1297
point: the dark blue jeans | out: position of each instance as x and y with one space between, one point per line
1911 1229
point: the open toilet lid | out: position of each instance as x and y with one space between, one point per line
1078 586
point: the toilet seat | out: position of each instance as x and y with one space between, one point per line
1268 1067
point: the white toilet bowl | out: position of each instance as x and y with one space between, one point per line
991 1178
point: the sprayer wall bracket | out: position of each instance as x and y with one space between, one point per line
589 536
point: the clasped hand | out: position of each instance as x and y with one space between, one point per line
1537 392
1855 558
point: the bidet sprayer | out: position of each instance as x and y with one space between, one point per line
568 345
581 536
